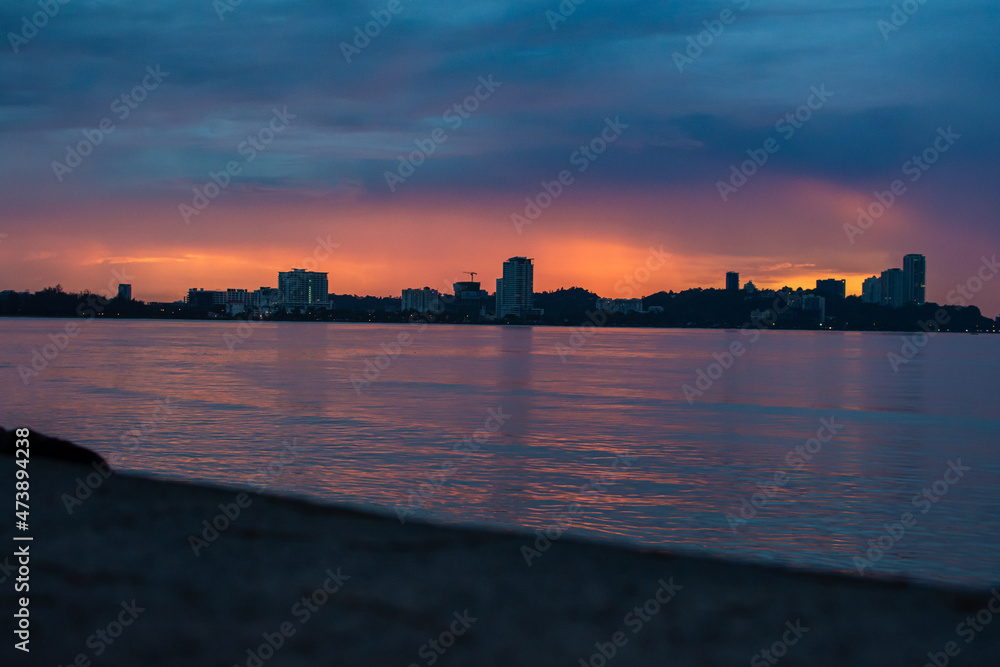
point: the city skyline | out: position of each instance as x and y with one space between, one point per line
265 275
854 284
224 156
301 288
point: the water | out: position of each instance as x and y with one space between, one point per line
599 438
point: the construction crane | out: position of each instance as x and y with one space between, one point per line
472 274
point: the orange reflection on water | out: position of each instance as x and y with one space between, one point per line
402 438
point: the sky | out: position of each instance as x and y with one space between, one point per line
741 136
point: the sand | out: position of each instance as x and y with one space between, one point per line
119 580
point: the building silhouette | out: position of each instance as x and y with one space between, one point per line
265 301
421 300
893 287
623 306
832 286
871 290
470 300
914 275
204 298
515 291
234 295
732 281
801 308
125 291
301 289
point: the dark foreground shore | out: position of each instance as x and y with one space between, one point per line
117 581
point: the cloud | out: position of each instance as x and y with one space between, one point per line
353 120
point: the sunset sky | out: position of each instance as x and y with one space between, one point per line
213 75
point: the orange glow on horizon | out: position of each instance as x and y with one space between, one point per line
598 240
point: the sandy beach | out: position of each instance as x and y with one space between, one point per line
132 571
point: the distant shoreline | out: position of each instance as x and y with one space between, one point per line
572 307
567 325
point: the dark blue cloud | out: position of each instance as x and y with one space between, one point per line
606 59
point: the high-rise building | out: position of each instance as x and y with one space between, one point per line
515 291
203 298
125 291
303 289
893 288
871 290
421 300
234 295
265 300
470 300
914 275
732 281
832 286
